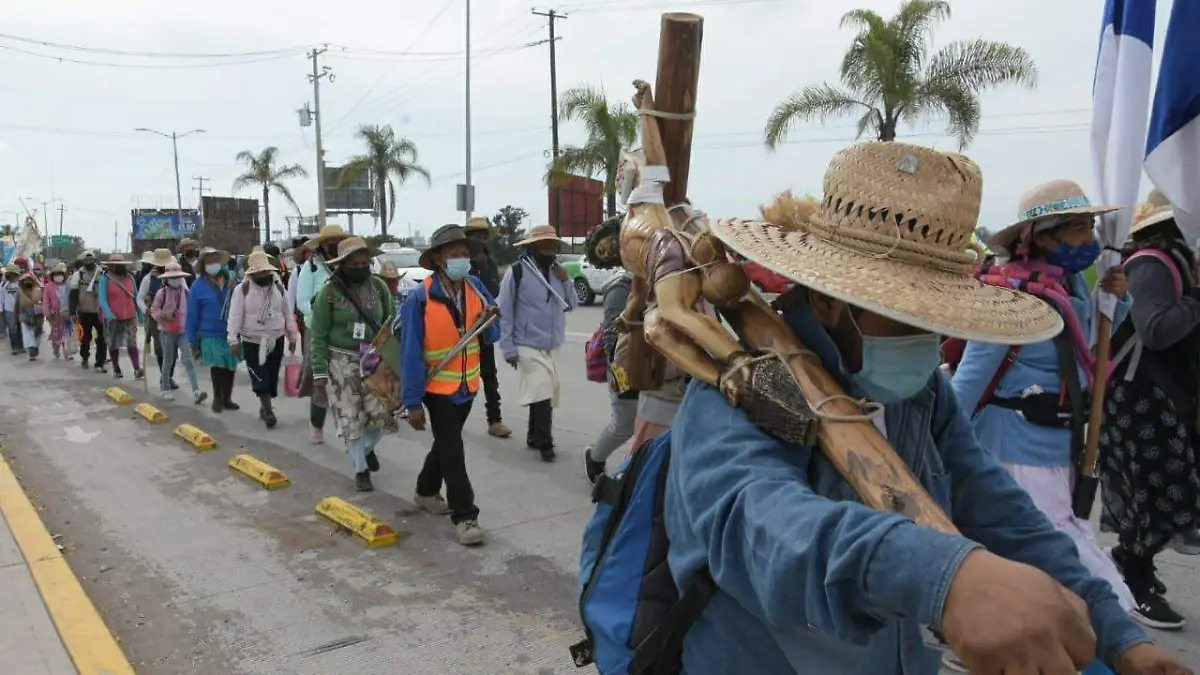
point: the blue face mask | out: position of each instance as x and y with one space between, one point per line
895 369
458 268
1074 259
213 269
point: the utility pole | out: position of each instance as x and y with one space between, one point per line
556 218
58 249
469 192
319 72
175 149
114 235
201 180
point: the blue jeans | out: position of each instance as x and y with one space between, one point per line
176 345
13 323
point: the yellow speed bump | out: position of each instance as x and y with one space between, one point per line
199 440
152 414
373 532
119 395
259 471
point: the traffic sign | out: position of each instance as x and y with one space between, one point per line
60 240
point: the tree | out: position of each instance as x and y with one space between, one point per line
388 161
888 76
262 172
610 129
508 232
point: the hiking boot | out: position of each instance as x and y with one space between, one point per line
469 533
362 482
1153 610
591 467
434 506
1187 543
547 453
199 397
1156 583
316 436
138 373
372 461
218 406
499 430
230 405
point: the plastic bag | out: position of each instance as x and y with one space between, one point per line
293 369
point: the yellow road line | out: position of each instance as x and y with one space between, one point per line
91 645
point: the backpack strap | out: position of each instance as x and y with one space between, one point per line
1164 258
1010 357
661 653
518 271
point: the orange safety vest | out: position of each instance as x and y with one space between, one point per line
440 337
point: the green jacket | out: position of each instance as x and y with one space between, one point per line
334 318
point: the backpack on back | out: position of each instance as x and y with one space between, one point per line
634 618
594 357
1166 259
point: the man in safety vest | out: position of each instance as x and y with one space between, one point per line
440 374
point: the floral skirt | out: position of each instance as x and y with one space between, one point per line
215 353
353 411
1150 475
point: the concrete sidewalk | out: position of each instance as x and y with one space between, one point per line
29 643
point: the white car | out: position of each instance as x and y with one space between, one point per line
588 280
407 261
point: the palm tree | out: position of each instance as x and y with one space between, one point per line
262 171
610 129
888 76
386 157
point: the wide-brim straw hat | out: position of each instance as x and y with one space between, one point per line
479 224
327 234
259 262
147 258
388 270
893 236
351 245
1052 199
541 233
446 234
1156 209
185 244
161 257
118 259
224 256
174 270
60 268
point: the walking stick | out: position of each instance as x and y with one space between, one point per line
485 320
146 357
1083 497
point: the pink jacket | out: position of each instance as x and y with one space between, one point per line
169 309
260 313
52 299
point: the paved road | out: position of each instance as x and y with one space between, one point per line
200 572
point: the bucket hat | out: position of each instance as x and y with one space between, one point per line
351 245
1043 203
540 233
446 234
892 236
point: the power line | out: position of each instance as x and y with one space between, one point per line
618 6
173 55
171 66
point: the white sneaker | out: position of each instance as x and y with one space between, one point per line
167 396
469 533
952 663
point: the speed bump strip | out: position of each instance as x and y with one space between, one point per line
371 531
92 647
199 440
119 395
153 415
259 471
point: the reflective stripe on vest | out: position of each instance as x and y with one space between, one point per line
440 337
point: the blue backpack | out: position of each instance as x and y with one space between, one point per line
633 616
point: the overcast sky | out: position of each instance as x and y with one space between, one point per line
66 129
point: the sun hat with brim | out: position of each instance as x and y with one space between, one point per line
1151 217
224 256
892 236
351 245
259 262
478 224
147 257
327 234
185 244
60 268
161 257
388 270
1054 199
118 259
446 234
540 233
174 271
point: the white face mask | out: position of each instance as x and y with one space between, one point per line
175 282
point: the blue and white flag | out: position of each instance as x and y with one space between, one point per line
1173 142
1120 108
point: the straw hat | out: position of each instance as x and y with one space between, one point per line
892 236
446 234
541 233
1156 209
160 257
60 268
185 244
174 270
147 257
329 233
351 245
478 224
258 261
208 250
389 271
118 259
1055 198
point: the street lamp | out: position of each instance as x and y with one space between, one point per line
175 147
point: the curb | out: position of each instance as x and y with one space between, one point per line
92 647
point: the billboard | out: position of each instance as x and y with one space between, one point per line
230 224
154 224
355 195
582 204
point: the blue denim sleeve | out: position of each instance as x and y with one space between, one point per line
790 556
193 317
412 350
991 508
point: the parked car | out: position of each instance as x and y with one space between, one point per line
407 261
765 280
588 280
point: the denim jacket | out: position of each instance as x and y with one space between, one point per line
812 581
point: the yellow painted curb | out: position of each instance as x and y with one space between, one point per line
119 395
199 440
259 471
92 647
153 415
371 531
